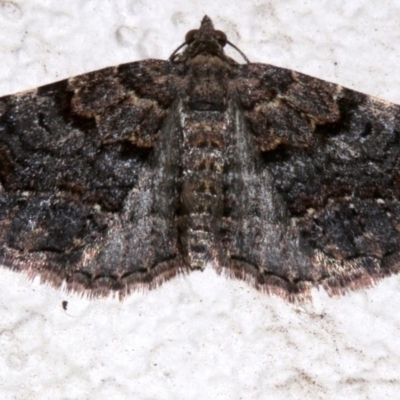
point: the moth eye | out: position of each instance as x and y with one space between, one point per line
190 36
221 37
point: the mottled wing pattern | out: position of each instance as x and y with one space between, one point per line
122 178
85 191
320 203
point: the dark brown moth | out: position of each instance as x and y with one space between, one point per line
122 178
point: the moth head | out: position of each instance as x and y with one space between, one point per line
206 40
206 35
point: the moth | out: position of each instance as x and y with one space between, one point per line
122 178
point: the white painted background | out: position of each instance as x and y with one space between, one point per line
200 336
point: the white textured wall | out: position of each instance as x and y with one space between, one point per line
201 336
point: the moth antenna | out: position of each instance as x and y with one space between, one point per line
239 51
176 50
228 42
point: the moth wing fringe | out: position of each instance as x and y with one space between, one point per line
83 284
300 291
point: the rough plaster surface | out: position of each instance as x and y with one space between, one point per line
199 336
